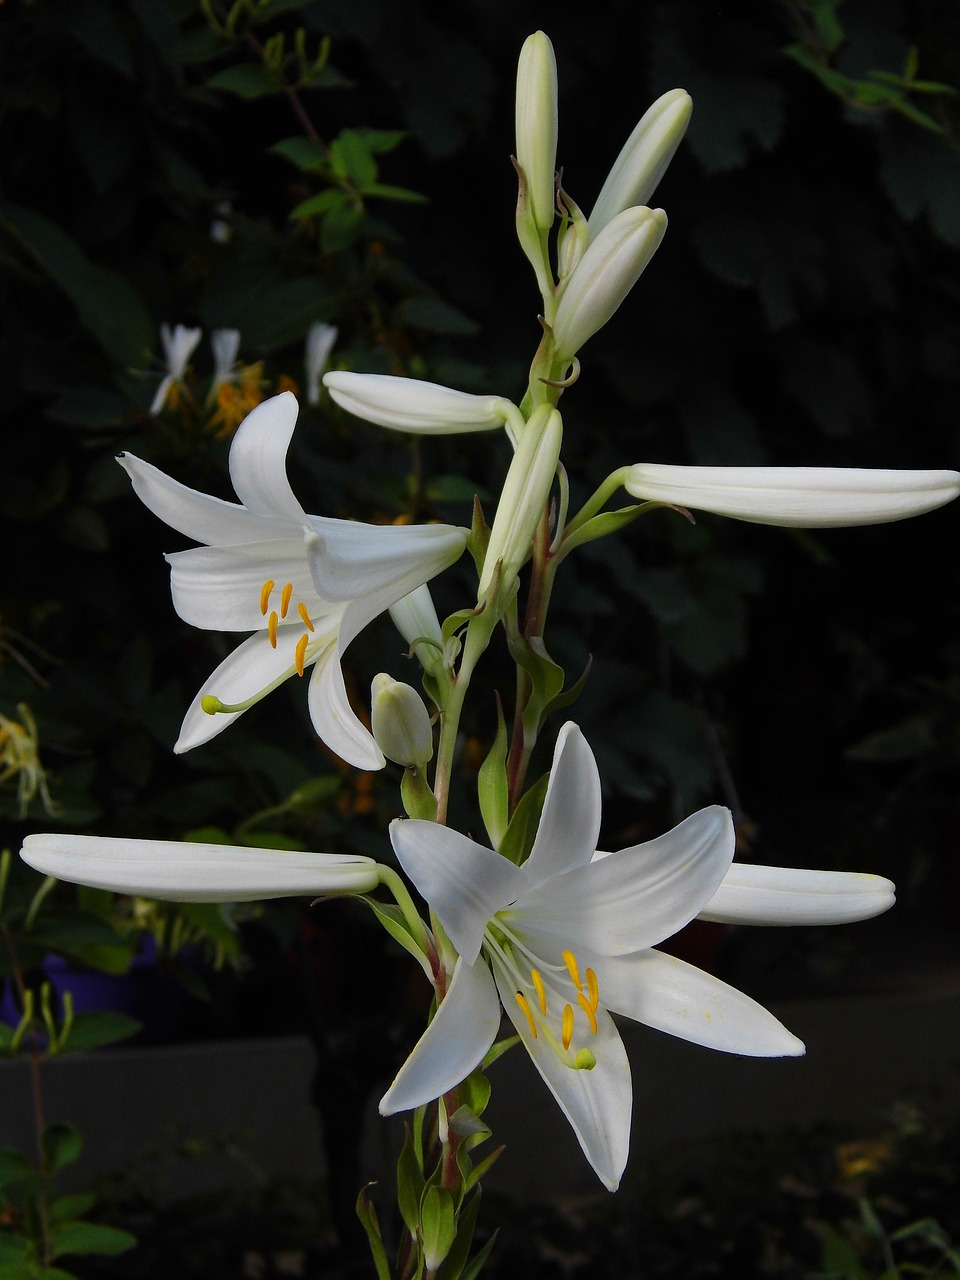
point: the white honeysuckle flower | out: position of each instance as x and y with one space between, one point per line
795 497
643 161
304 585
426 408
179 345
225 344
186 872
537 123
569 937
604 276
400 722
316 352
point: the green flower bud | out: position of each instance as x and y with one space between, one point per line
400 722
537 125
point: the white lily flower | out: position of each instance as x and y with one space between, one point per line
797 497
179 345
316 352
643 161
305 585
409 404
187 872
536 121
569 937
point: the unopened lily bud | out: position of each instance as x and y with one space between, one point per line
644 158
605 275
415 617
524 497
400 722
537 125
407 404
796 497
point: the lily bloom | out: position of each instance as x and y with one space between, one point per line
304 585
569 937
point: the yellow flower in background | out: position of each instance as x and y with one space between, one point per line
20 759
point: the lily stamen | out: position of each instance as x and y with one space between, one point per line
304 616
570 960
272 622
541 990
265 595
300 653
285 599
593 986
566 1033
589 1010
525 1006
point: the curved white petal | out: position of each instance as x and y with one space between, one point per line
634 898
197 515
798 497
218 588
570 823
788 895
463 1029
334 719
408 404
597 1103
258 460
464 883
666 993
188 872
349 559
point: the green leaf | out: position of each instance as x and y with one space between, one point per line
460 1249
475 1092
498 1049
319 204
250 80
61 1145
438 1226
829 28
14 1166
107 305
368 1219
481 1170
492 787
410 1183
381 141
307 154
522 830
95 27
350 158
71 1207
394 921
93 1030
385 191
341 225
90 1237
477 1263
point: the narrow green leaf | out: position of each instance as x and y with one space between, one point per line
95 1029
387 192
307 154
90 1237
71 1207
368 1220
319 204
410 1183
477 1263
460 1249
249 80
381 141
492 786
498 1049
350 158
438 1225
483 1168
393 920
522 830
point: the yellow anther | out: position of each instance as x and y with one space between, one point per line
522 1002
588 1009
285 599
593 986
265 595
304 616
272 627
300 653
566 1035
541 990
570 960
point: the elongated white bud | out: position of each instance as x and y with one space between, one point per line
415 617
537 125
605 275
400 722
797 497
644 158
186 872
407 404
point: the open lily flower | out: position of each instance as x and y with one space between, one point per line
304 585
569 937
798 497
187 872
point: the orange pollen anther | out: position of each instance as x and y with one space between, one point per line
593 986
566 1034
300 653
570 960
589 1010
541 990
265 595
285 599
272 627
524 1005
304 616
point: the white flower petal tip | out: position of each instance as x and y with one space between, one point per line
796 497
187 872
793 896
318 345
643 161
408 404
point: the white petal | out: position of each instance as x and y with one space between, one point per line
570 823
334 719
349 559
598 1103
226 345
798 497
160 395
634 898
407 404
316 352
673 996
258 456
463 882
188 872
218 588
194 514
178 346
463 1029
788 895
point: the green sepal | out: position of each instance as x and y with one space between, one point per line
546 679
479 535
460 1249
410 1183
607 522
492 788
418 800
438 1225
570 694
368 1220
396 924
470 1129
497 1050
522 830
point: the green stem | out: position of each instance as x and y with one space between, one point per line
597 500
